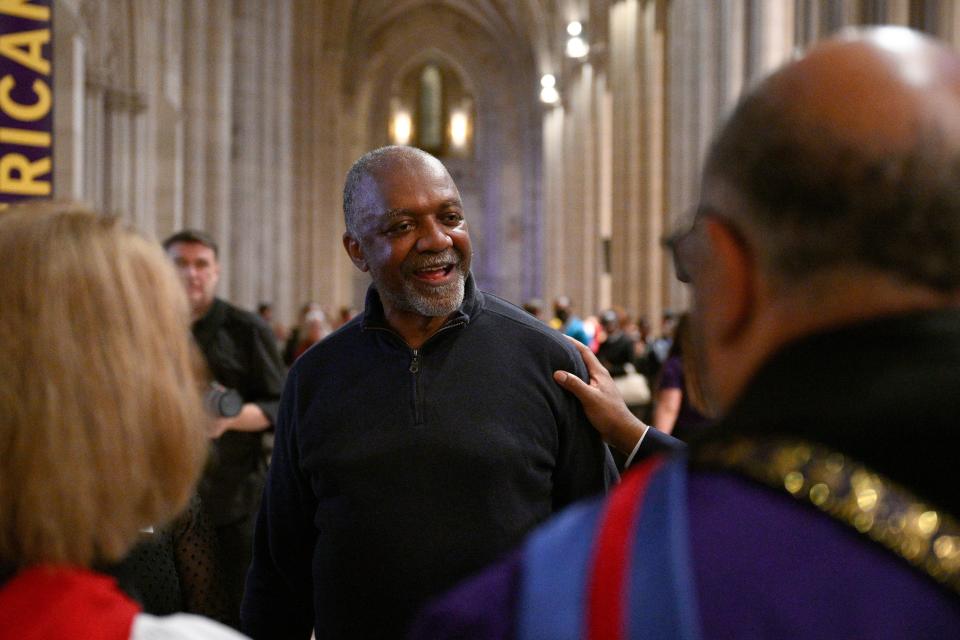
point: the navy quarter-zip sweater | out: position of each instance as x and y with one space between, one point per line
397 472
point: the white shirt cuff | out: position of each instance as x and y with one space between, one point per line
636 447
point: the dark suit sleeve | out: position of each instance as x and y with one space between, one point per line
656 442
278 600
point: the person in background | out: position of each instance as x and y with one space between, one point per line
296 334
241 354
265 311
534 306
174 568
315 329
616 351
567 323
345 315
101 422
679 406
824 266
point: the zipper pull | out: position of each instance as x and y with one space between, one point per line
415 363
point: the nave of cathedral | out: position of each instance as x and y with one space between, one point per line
574 128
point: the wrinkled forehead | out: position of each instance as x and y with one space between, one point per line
405 181
410 173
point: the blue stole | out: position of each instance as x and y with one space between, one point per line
614 568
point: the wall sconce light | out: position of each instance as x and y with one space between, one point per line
401 128
577 47
548 89
459 129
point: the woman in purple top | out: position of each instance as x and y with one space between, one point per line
678 404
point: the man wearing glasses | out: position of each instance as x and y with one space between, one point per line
824 265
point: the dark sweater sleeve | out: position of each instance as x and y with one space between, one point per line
584 464
278 601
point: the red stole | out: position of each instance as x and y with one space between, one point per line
64 602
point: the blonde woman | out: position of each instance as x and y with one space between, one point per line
102 430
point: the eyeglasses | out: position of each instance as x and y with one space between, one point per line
680 248
683 249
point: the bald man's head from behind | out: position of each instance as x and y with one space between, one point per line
831 195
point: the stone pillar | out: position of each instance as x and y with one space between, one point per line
624 69
555 278
771 33
168 123
603 110
144 73
260 191
945 17
94 159
69 66
208 53
580 235
322 153
250 186
638 30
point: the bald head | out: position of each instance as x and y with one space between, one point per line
850 155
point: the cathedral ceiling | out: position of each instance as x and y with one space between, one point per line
515 30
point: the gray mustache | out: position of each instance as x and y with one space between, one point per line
439 260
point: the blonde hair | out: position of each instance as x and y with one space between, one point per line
102 430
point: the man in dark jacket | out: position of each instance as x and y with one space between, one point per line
421 440
241 354
824 262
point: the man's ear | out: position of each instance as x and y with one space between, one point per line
733 280
355 251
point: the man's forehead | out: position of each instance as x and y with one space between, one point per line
393 182
192 249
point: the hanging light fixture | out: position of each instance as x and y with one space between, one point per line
401 128
459 129
548 89
577 47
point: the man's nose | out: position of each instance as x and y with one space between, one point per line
434 237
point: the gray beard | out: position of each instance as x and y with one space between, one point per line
441 301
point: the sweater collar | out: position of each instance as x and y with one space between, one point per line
374 316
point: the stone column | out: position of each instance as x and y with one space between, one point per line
250 186
638 30
624 69
69 65
260 190
94 157
580 235
771 33
208 54
168 123
555 279
322 152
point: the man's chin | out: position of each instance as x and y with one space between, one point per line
435 300
199 304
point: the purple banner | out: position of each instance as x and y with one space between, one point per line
26 100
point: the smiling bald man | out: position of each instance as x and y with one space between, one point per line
424 438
